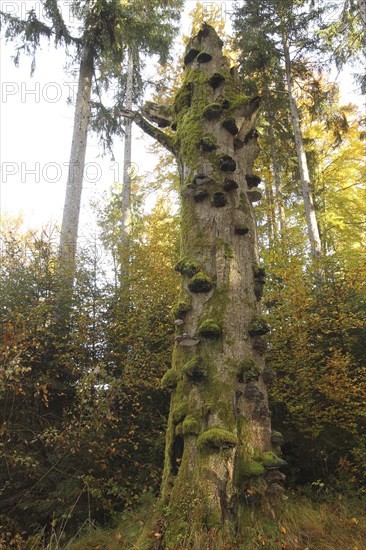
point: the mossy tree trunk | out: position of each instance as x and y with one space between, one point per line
219 457
219 454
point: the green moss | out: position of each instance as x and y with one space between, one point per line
258 326
169 380
217 304
228 250
179 412
216 438
189 109
179 429
237 100
248 370
188 267
209 329
181 308
182 98
248 468
271 460
190 426
277 438
194 369
200 283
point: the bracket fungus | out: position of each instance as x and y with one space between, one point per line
186 340
230 185
217 438
258 326
216 79
200 282
209 329
219 200
227 163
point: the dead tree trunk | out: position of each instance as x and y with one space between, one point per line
219 454
219 457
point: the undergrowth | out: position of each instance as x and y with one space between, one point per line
303 524
334 523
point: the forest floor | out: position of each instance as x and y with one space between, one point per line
328 523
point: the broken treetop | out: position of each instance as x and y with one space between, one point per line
212 118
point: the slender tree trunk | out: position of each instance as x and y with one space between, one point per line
277 182
126 191
312 224
218 460
271 213
71 212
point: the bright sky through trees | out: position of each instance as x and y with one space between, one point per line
36 132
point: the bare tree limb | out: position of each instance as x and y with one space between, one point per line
149 129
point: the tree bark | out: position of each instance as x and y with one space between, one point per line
71 212
311 220
277 182
126 189
219 459
272 231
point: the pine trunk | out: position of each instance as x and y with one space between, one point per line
312 224
219 458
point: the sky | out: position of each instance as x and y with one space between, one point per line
36 132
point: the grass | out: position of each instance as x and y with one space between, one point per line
303 524
337 524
